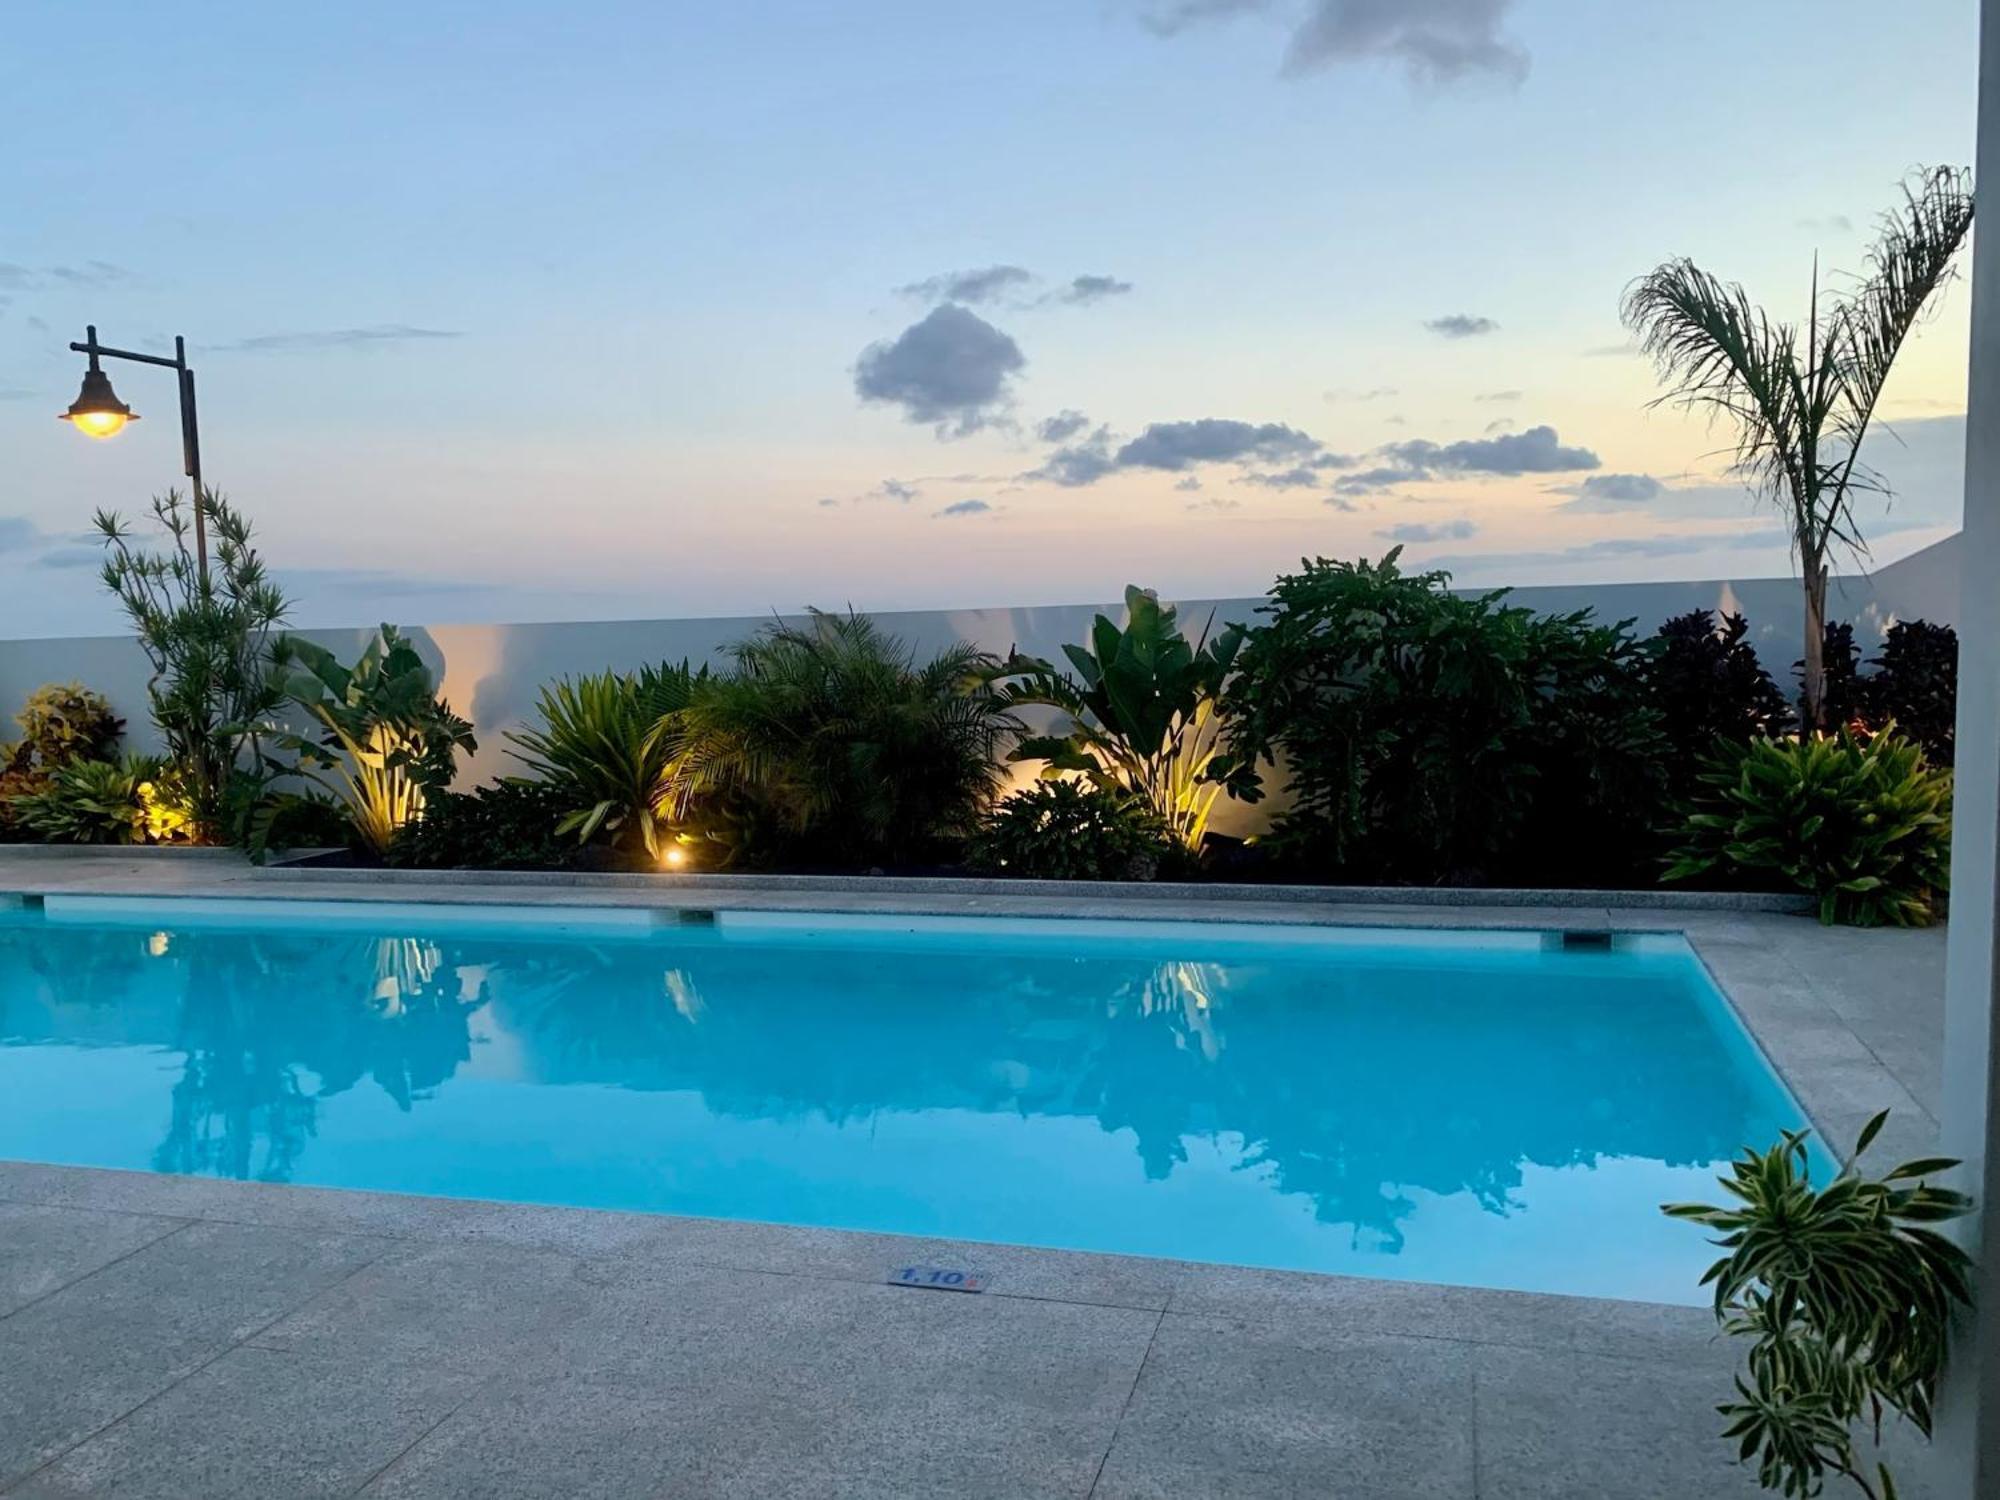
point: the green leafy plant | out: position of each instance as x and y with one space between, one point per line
1070 830
607 741
829 743
207 635
1846 1295
1142 714
509 825
1708 685
1802 397
1595 754
60 723
1915 683
388 741
1863 825
96 802
1422 731
1843 698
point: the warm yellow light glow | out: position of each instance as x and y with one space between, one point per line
158 944
674 859
99 424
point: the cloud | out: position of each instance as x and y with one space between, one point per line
950 369
1374 481
337 338
1341 503
974 288
1171 17
1610 492
71 557
1461 326
828 502
1063 426
1181 447
1084 290
1176 446
1078 464
1306 476
896 489
1376 394
1614 351
1498 396
1835 223
1436 41
962 508
19 278
1189 484
1215 503
1420 531
1538 450
1677 544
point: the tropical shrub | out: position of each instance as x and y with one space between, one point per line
1141 715
1863 825
60 723
606 741
509 825
104 802
829 743
387 739
1915 683
207 635
1708 685
1594 754
1424 732
1845 699
1071 830
1846 1295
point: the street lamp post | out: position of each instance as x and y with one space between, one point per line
97 412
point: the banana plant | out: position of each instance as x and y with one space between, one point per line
386 737
1141 713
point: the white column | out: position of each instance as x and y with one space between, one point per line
1969 1428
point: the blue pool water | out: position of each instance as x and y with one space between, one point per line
1482 1109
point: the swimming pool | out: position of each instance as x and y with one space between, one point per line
1486 1109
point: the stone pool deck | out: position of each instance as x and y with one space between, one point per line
183 1337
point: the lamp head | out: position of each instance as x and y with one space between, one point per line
97 412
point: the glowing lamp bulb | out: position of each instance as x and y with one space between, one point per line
674 859
99 424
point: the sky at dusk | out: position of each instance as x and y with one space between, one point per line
509 311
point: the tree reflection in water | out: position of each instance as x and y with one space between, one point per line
1352 1088
271 1025
1358 1087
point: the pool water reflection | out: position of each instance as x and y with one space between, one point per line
1499 1115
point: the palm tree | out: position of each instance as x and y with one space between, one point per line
834 744
1801 398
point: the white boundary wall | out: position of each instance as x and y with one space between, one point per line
492 673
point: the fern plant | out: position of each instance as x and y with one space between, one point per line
1863 825
1846 1294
